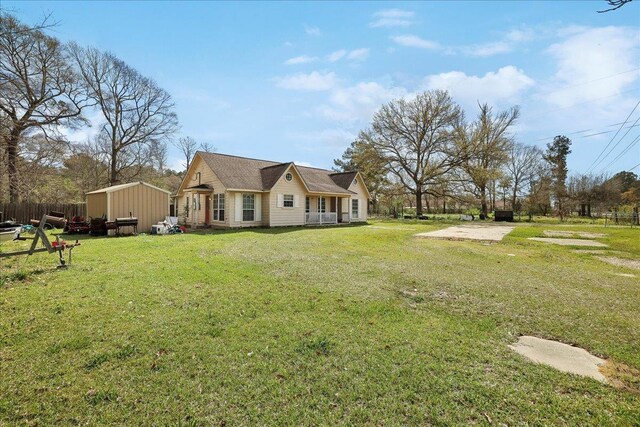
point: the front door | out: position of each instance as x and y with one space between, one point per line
207 211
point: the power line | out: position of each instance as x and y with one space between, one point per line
586 130
614 137
623 152
616 144
634 167
596 79
584 102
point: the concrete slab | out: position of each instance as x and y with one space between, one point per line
580 234
493 233
620 262
561 356
569 242
557 233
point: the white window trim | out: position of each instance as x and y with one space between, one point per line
214 209
254 207
292 200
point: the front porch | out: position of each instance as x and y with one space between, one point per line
326 210
198 206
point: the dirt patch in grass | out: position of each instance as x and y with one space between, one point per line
620 262
621 376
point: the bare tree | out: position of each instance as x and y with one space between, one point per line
523 163
188 147
487 141
136 111
158 155
415 139
207 147
39 90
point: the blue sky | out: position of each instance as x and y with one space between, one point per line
297 81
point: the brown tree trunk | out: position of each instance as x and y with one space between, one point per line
418 202
483 202
12 166
113 179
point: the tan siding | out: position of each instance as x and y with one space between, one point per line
287 216
362 196
266 209
207 176
231 206
147 204
96 205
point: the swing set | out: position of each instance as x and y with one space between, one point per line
58 245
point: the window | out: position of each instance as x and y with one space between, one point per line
354 208
307 205
218 207
288 176
248 207
355 181
288 201
322 204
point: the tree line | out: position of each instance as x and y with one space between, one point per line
49 89
423 153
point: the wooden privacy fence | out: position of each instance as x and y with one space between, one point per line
23 212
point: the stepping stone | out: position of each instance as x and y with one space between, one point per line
560 356
569 242
556 233
620 262
493 233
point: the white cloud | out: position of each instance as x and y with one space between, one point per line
303 163
358 102
337 55
505 85
392 18
336 137
302 59
312 31
507 43
358 54
489 49
314 81
593 63
415 41
354 55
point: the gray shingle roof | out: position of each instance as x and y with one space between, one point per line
261 175
343 179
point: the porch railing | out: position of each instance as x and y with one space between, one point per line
321 218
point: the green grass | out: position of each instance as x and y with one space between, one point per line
315 326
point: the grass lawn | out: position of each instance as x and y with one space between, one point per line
363 325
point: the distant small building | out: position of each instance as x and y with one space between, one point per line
144 201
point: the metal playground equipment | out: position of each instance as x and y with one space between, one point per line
58 245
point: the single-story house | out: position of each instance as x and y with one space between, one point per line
221 190
144 201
